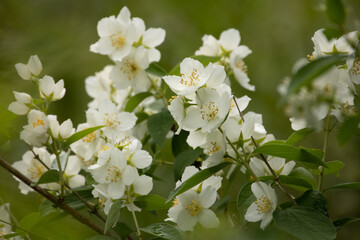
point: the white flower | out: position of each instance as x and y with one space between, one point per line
117 36
35 133
210 46
264 206
192 76
150 39
33 67
131 148
50 90
242 102
131 71
32 168
191 208
100 191
239 67
279 165
142 185
22 104
113 170
210 112
177 111
213 181
62 131
71 173
252 126
115 122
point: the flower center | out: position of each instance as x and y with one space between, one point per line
38 123
355 69
113 174
175 202
36 171
117 39
103 148
214 148
241 65
190 79
263 204
129 68
194 208
209 111
89 138
111 120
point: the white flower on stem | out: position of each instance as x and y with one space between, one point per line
115 122
32 168
22 104
210 46
177 111
71 173
215 148
135 156
131 71
239 67
100 191
279 165
35 133
210 112
264 206
113 170
192 76
242 103
192 207
117 36
50 90
33 67
213 181
100 84
149 38
63 131
253 126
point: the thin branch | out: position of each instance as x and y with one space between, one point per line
326 139
58 203
277 179
133 214
22 229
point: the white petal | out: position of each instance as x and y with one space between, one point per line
207 197
47 85
252 214
54 125
116 190
34 65
266 221
22 97
23 71
18 108
141 159
66 129
77 181
153 37
185 221
230 39
193 119
196 139
186 197
143 185
208 219
128 175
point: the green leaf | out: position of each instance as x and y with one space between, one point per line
303 173
335 11
196 179
151 202
314 199
134 101
49 176
297 136
245 198
183 160
113 215
156 70
351 185
122 229
312 70
305 223
331 33
78 135
159 125
295 182
179 144
333 167
163 230
347 129
141 116
344 221
205 60
46 207
283 150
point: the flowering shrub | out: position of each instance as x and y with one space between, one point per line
108 162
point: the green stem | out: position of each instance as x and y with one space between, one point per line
326 139
133 214
62 181
22 229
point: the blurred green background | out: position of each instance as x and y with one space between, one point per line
60 33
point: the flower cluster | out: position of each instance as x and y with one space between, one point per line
332 93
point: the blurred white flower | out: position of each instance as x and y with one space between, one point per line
22 104
50 90
33 67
